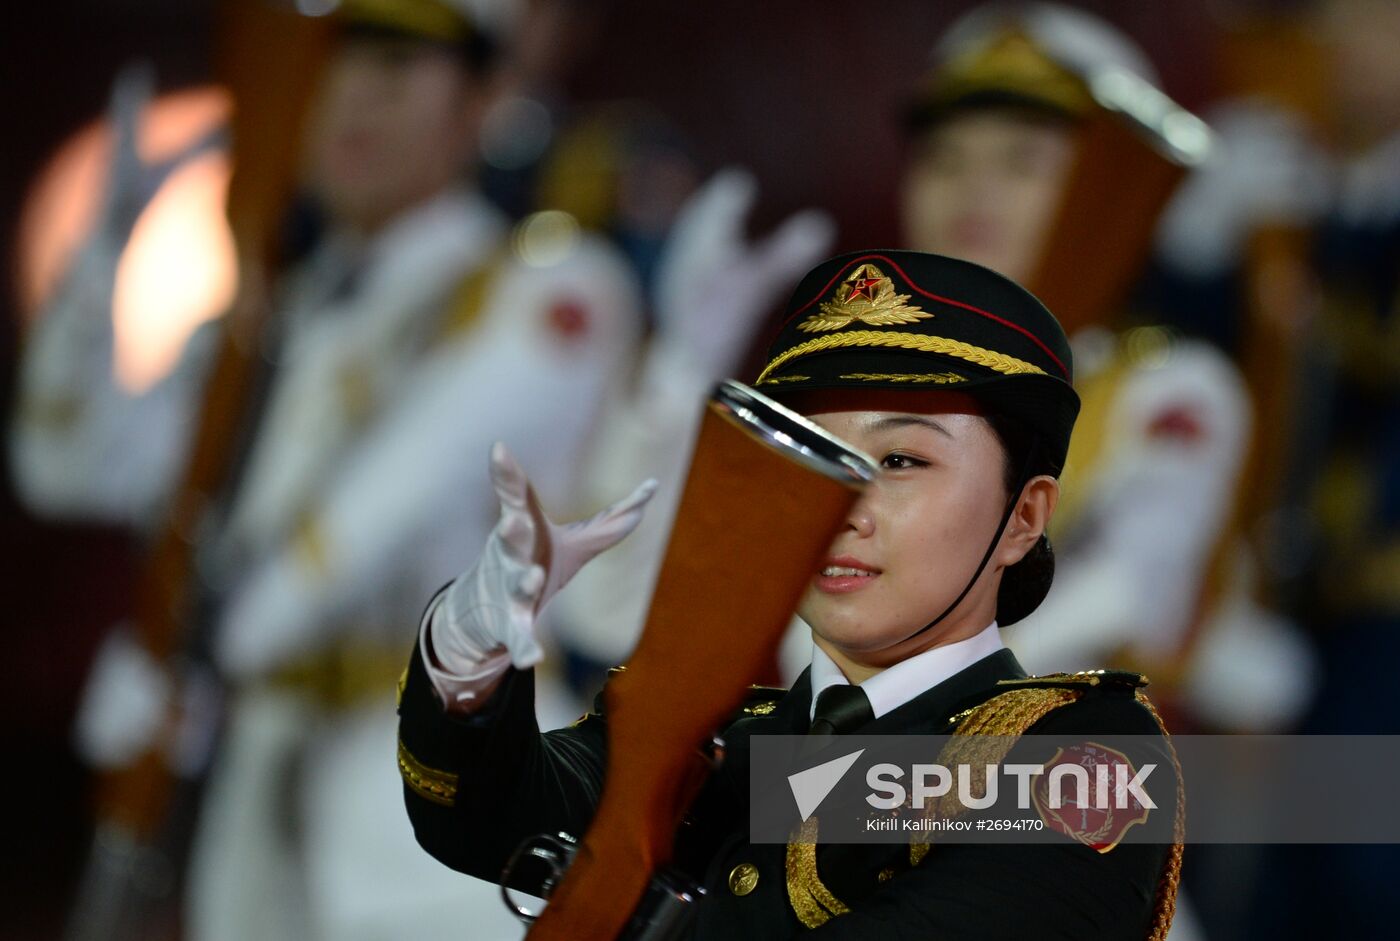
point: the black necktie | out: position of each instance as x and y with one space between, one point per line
840 709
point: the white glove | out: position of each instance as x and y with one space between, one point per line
270 617
1267 170
713 287
72 352
486 620
76 340
132 182
123 705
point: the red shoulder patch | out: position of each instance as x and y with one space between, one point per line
1177 423
568 319
1095 804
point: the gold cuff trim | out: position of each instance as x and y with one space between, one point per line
937 378
440 787
999 362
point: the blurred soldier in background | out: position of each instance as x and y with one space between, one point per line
411 338
1002 131
1356 597
1293 242
1312 150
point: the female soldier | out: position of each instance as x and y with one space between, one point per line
958 382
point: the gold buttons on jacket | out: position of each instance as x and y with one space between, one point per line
743 878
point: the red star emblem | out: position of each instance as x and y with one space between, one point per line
863 287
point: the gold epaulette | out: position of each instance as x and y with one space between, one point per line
1025 702
984 736
469 297
1083 679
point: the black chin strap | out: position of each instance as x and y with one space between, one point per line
1011 502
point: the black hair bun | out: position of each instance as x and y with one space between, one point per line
1025 584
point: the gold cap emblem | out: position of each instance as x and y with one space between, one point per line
868 297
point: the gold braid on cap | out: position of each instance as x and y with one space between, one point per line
1000 362
937 378
1014 63
432 19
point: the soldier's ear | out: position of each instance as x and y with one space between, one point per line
1029 519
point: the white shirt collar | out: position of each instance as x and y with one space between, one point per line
893 687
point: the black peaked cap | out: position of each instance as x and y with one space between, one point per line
919 321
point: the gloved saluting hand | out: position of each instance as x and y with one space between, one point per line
714 286
1267 169
486 619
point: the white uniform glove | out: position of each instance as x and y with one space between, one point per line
123 705
486 620
115 454
133 182
271 617
714 290
713 286
1267 170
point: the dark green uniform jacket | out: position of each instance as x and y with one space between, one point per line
477 786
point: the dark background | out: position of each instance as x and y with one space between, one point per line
806 94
